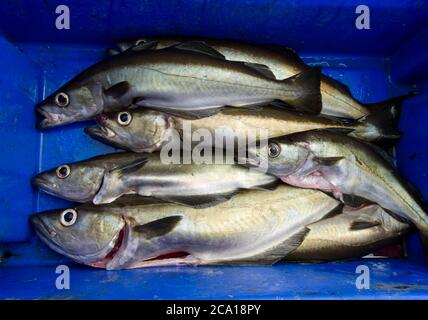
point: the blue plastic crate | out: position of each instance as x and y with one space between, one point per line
36 58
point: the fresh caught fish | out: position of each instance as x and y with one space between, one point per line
342 165
106 178
148 130
337 99
190 77
351 234
253 228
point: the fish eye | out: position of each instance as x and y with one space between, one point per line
273 150
68 217
124 118
63 171
62 100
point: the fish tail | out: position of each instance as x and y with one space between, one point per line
381 124
393 106
306 91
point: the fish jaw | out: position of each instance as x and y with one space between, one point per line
50 120
314 180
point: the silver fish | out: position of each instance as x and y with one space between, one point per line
190 77
253 228
344 166
351 234
337 99
106 178
149 130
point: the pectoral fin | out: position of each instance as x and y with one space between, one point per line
118 90
130 167
113 185
158 227
363 223
328 161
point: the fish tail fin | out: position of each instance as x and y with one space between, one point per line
393 105
306 86
380 125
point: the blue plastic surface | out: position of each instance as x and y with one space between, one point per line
36 58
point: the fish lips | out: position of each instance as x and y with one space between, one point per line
43 184
102 134
50 119
41 227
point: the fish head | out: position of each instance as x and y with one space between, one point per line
78 181
279 156
134 129
72 103
86 235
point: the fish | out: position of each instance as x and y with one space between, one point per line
253 228
344 166
353 233
106 178
141 130
284 62
190 77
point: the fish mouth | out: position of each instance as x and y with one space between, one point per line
49 120
43 184
42 228
100 132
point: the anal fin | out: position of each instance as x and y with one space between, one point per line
272 255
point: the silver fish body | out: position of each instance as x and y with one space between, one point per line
351 234
150 130
253 228
106 178
189 77
341 165
337 99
